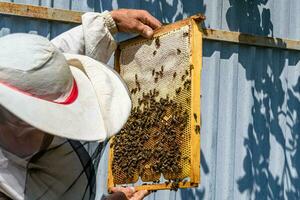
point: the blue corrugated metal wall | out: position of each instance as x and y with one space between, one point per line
250 95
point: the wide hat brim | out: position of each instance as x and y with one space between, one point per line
81 120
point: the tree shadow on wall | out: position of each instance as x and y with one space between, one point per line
165 11
244 16
268 113
275 110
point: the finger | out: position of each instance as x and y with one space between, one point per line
148 19
132 189
127 191
118 189
143 30
140 195
113 189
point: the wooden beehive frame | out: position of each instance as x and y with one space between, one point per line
196 62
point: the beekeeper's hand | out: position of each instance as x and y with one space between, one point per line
130 192
135 21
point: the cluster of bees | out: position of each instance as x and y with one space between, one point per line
158 74
164 121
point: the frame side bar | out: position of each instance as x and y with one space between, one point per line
196 61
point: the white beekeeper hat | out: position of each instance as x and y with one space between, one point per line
66 95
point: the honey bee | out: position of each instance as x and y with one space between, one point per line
157 43
178 90
191 67
174 75
186 72
183 77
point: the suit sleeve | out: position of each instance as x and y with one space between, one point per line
94 38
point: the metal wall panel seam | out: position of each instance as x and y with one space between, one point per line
222 18
287 132
283 56
83 6
217 129
227 111
236 118
288 24
293 123
247 57
294 20
213 15
277 150
208 76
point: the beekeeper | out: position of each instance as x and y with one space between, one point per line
55 99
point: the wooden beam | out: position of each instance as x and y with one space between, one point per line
247 39
39 12
68 16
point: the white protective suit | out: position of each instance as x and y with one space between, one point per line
45 176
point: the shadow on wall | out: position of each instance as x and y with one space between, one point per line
275 111
166 11
244 16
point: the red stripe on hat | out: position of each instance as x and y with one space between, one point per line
69 100
73 95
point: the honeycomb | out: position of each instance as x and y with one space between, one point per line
156 140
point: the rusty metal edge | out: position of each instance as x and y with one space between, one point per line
68 16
